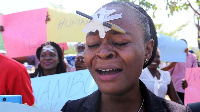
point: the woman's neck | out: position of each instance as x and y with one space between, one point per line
49 72
119 103
154 72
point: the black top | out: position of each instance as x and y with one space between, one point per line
195 107
153 103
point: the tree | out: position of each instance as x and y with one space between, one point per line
172 33
178 5
174 6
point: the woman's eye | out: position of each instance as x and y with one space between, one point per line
42 56
53 55
120 44
93 46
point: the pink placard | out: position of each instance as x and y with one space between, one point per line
63 46
192 92
24 32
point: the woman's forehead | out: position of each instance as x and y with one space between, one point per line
50 49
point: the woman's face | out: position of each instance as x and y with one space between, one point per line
116 61
80 47
155 63
80 63
49 59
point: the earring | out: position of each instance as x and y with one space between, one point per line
146 61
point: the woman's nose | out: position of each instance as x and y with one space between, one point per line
48 57
106 53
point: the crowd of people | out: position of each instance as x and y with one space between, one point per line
125 67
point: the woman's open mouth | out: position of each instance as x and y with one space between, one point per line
108 71
108 74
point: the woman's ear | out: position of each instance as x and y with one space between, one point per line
149 49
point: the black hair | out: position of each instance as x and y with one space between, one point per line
147 25
184 41
77 46
61 67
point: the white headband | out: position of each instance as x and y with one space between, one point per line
48 48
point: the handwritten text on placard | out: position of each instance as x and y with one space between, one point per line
52 92
193 89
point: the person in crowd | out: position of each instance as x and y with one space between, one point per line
79 61
80 47
178 71
116 60
15 80
158 81
50 56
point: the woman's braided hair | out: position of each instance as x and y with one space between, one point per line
146 23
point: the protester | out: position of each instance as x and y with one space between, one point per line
80 47
116 60
178 71
158 81
15 80
51 60
79 61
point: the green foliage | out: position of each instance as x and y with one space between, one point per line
171 6
172 33
158 26
176 6
197 54
143 3
71 50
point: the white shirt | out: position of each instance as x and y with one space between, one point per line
158 87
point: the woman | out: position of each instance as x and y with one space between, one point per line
51 60
158 81
79 61
116 62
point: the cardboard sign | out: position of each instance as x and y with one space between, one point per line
24 32
63 46
15 107
171 49
192 92
52 92
65 26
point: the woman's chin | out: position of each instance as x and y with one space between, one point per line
111 90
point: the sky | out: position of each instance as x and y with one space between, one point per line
90 6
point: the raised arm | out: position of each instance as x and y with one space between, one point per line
169 66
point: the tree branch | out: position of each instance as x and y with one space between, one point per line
193 8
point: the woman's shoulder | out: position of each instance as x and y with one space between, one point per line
89 102
146 74
171 106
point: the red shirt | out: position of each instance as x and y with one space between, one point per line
15 80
